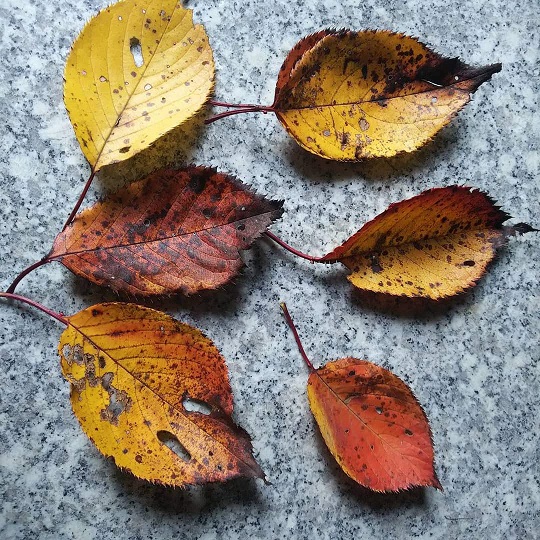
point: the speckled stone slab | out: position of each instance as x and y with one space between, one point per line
472 361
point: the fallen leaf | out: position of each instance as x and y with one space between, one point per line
131 370
347 95
371 422
434 245
137 70
176 231
373 425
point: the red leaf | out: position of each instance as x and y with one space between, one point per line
175 231
373 425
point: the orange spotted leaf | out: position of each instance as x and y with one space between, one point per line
348 95
136 375
371 422
373 425
175 231
434 245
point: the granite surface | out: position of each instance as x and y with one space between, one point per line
473 362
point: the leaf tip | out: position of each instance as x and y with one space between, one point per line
519 228
436 483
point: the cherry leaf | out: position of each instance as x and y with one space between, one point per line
176 231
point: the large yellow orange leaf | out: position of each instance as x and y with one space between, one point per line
347 95
131 371
137 70
434 245
175 231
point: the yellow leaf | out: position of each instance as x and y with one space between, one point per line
434 245
137 70
351 95
131 370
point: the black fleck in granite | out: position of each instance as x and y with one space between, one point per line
472 362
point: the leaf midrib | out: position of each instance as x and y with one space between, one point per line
381 99
161 239
136 86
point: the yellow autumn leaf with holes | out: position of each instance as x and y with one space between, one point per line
434 245
131 371
347 95
137 70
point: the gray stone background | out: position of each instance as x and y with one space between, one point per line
472 362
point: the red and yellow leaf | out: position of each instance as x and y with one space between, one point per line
347 95
371 422
434 245
131 370
373 425
175 231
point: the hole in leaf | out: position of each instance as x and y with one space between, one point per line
66 351
469 263
379 410
196 405
124 149
136 51
116 407
106 383
173 444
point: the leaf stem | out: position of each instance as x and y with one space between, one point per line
24 273
290 322
294 251
237 109
58 316
233 105
80 199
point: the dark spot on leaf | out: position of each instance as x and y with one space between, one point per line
375 264
197 182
